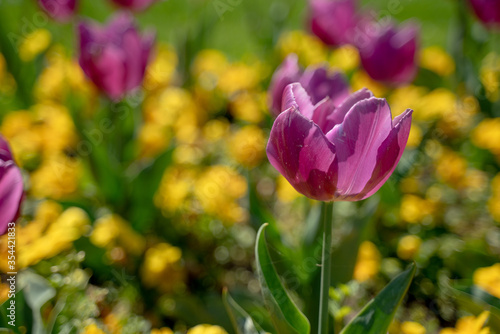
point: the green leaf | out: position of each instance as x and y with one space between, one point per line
377 315
241 320
286 317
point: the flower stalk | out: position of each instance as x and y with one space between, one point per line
326 264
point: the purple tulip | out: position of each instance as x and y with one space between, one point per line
137 5
114 57
317 81
11 187
59 10
333 21
337 154
488 11
389 54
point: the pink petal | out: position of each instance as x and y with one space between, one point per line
11 192
296 96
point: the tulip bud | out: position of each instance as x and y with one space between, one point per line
11 187
333 21
114 57
136 5
388 53
488 11
59 10
343 153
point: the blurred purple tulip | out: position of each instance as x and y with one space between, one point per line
333 21
59 10
488 11
389 54
137 5
11 187
114 57
337 154
316 80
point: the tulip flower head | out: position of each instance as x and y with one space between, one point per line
389 54
59 10
333 21
114 57
11 187
343 153
136 5
488 11
318 81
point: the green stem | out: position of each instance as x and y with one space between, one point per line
326 263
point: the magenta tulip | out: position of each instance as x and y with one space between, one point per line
337 154
333 21
11 187
59 10
389 54
137 5
318 81
488 11
114 57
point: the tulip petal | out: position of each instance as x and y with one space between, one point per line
357 141
5 150
288 72
319 84
109 71
389 153
299 150
11 192
295 96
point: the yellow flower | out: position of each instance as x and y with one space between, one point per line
415 136
436 104
247 146
174 189
160 72
206 329
490 76
361 80
215 129
410 327
403 97
152 140
488 279
451 168
162 268
34 44
469 325
308 48
209 66
434 58
57 177
367 263
111 230
163 330
248 107
408 246
414 208
345 58
221 187
284 190
239 77
487 135
93 329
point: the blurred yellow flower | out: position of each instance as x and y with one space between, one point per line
414 208
367 263
215 129
162 268
209 65
239 77
308 48
407 96
33 44
248 107
345 58
206 329
410 327
436 104
247 146
434 58
163 330
490 76
51 232
415 136
284 190
487 135
488 279
161 71
174 189
451 168
408 246
221 187
93 329
361 80
153 139
111 230
469 325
